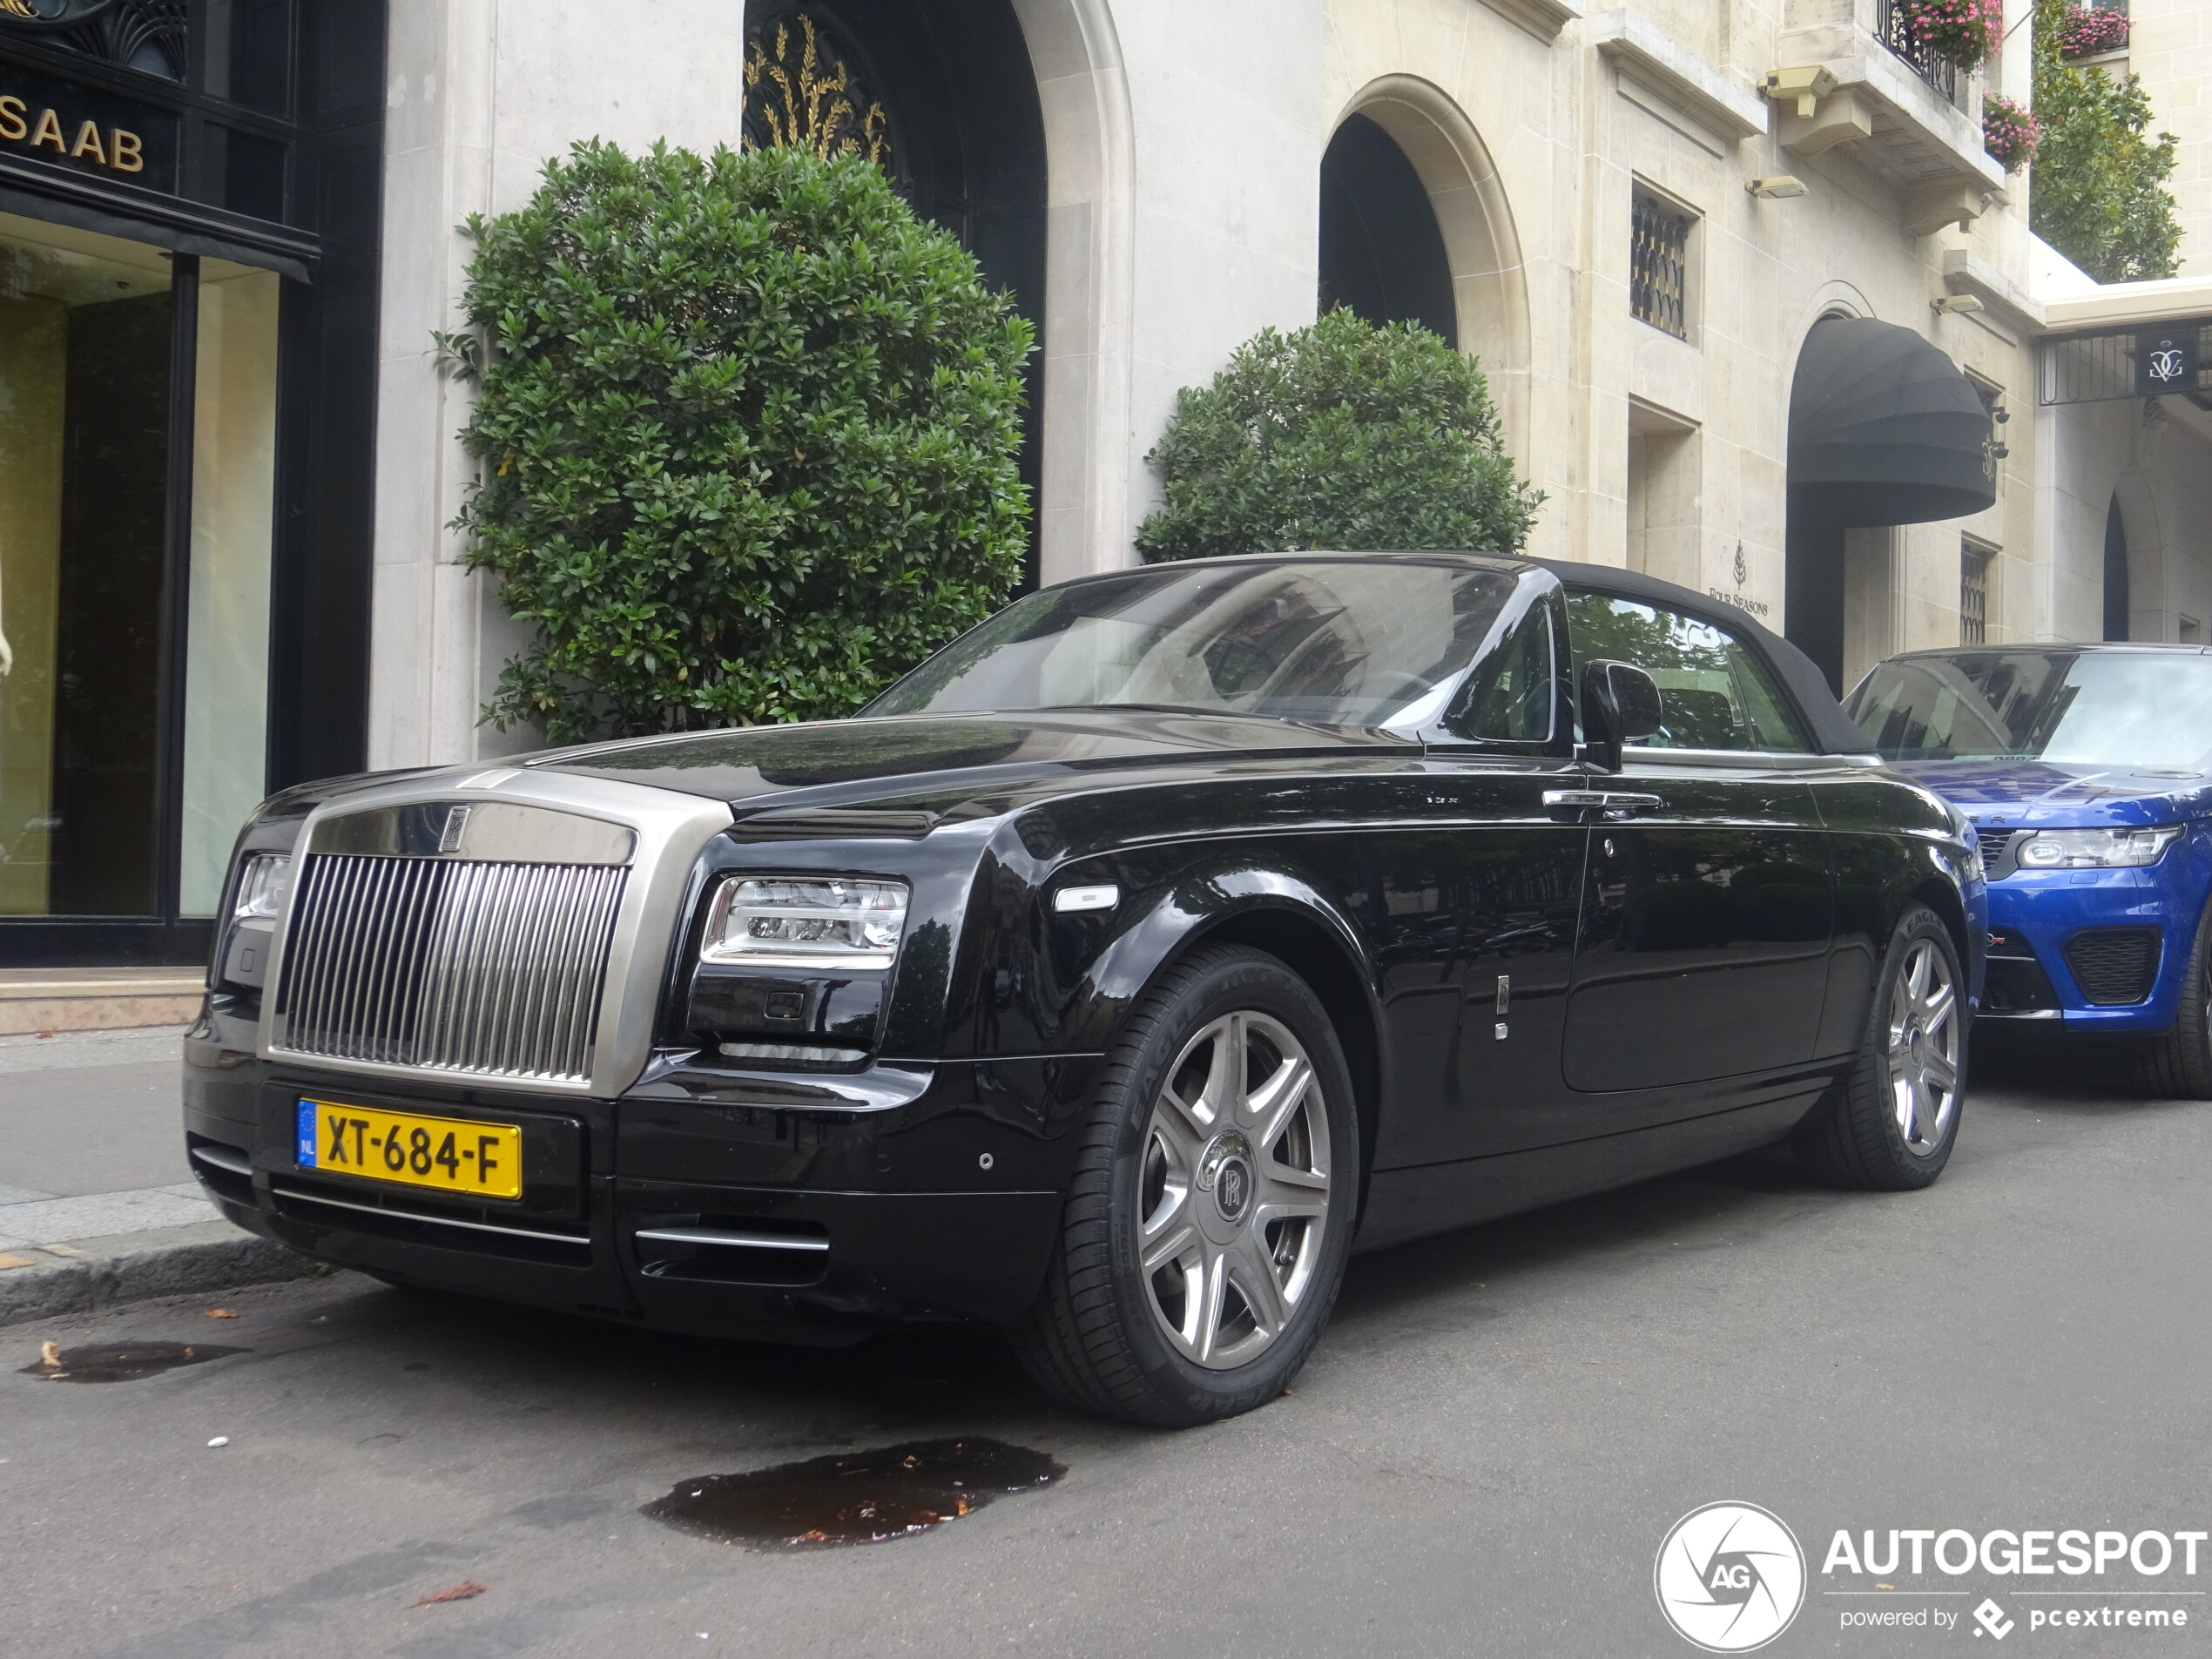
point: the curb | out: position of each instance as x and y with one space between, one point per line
171 1261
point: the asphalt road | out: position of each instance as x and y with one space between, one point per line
1483 1457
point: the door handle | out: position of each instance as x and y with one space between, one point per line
1610 804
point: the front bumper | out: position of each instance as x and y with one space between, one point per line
2065 945
785 1207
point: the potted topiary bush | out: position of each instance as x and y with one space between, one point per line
747 430
1339 435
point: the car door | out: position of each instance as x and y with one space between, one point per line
1479 936
1708 894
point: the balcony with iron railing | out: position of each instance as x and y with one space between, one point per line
1850 73
1893 29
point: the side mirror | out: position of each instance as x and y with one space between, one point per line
1620 703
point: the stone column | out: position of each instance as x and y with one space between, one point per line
480 94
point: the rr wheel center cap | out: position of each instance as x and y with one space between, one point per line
1225 1172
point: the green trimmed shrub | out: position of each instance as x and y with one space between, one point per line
1339 435
747 430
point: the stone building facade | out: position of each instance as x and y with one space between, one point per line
2125 513
1643 219
1184 149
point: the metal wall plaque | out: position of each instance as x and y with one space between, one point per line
2165 361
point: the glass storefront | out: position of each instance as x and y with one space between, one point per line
189 232
227 634
89 356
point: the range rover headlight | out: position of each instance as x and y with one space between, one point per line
785 921
2095 849
261 887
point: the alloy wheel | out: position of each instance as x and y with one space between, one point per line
1924 1048
1235 1191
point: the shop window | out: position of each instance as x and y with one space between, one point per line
86 353
89 509
1659 264
233 495
1976 559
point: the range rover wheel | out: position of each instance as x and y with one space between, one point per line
1889 1125
1210 1212
2177 1064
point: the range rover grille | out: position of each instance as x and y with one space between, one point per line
448 966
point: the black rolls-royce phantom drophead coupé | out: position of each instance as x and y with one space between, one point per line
1110 977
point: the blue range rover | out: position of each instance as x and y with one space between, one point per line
2087 771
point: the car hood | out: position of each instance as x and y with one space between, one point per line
836 762
2013 794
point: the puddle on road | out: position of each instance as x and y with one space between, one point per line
121 1361
866 1497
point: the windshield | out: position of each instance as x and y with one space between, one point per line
1344 642
2146 710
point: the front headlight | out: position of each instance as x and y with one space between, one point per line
788 921
261 886
2095 849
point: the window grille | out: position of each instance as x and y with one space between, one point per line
1974 593
1658 262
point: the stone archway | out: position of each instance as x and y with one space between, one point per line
1086 503
1482 245
2148 609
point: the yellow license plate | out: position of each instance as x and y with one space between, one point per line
452 1154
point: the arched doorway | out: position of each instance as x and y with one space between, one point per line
1884 431
1382 254
1468 211
942 94
2115 595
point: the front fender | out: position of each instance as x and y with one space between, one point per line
1047 982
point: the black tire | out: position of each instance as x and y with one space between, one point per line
2177 1064
1099 1335
1857 1137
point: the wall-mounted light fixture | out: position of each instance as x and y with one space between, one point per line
1957 302
1804 87
1781 187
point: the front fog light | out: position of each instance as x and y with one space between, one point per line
780 921
2095 849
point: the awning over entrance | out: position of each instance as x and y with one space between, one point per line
1884 429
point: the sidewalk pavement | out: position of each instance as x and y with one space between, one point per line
97 1202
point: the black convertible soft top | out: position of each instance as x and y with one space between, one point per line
1833 730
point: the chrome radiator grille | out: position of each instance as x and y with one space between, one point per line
448 966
